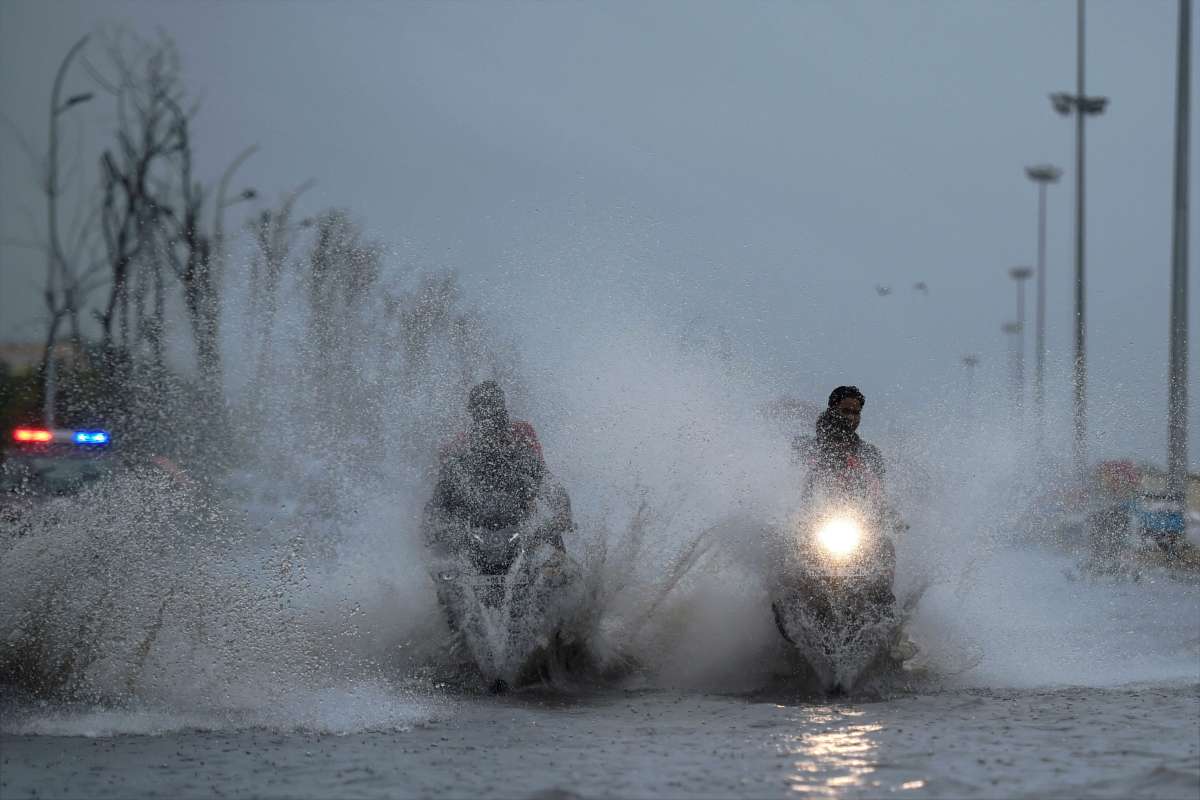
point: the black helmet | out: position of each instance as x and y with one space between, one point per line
486 401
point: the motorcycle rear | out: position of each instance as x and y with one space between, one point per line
509 598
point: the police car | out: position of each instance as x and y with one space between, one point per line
40 463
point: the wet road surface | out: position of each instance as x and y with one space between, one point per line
1139 741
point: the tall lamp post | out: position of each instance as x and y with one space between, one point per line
1020 275
222 203
1042 175
1012 330
1081 106
1177 395
56 269
970 361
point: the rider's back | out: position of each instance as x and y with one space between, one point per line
491 481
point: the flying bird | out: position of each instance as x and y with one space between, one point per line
921 287
883 291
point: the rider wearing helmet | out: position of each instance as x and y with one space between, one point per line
492 475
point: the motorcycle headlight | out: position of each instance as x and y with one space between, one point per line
839 536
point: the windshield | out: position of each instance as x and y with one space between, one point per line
49 475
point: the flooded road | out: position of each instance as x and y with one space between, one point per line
1137 741
216 674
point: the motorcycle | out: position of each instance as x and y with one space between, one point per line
832 593
509 594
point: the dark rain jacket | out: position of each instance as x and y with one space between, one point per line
839 459
490 481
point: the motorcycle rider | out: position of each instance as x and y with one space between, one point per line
839 460
492 476
491 479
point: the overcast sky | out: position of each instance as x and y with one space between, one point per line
760 166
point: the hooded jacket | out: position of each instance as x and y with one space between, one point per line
837 454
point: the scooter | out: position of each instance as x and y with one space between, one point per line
832 594
509 594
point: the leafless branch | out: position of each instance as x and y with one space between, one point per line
26 244
104 83
31 154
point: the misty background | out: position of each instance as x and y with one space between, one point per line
751 171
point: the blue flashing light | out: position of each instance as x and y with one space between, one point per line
91 437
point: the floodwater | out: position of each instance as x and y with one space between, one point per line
218 666
1100 698
1138 741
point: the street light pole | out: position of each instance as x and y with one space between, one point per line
970 361
971 405
1177 395
1020 275
218 254
1011 330
1080 105
56 266
1079 375
1042 175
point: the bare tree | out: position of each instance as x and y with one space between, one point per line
343 270
154 210
148 91
274 235
189 251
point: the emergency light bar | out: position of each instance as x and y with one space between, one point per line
44 436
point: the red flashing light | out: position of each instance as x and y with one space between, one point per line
32 435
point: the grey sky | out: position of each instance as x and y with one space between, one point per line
760 165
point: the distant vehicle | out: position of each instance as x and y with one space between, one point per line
1127 513
41 463
1157 519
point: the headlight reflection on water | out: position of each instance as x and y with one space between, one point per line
842 757
835 760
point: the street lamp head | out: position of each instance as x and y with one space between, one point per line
74 100
1020 273
1094 105
1043 173
1063 102
240 197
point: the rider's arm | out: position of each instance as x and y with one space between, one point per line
888 516
446 499
803 449
529 460
874 459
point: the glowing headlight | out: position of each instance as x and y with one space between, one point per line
839 536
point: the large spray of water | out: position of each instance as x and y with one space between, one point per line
292 590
